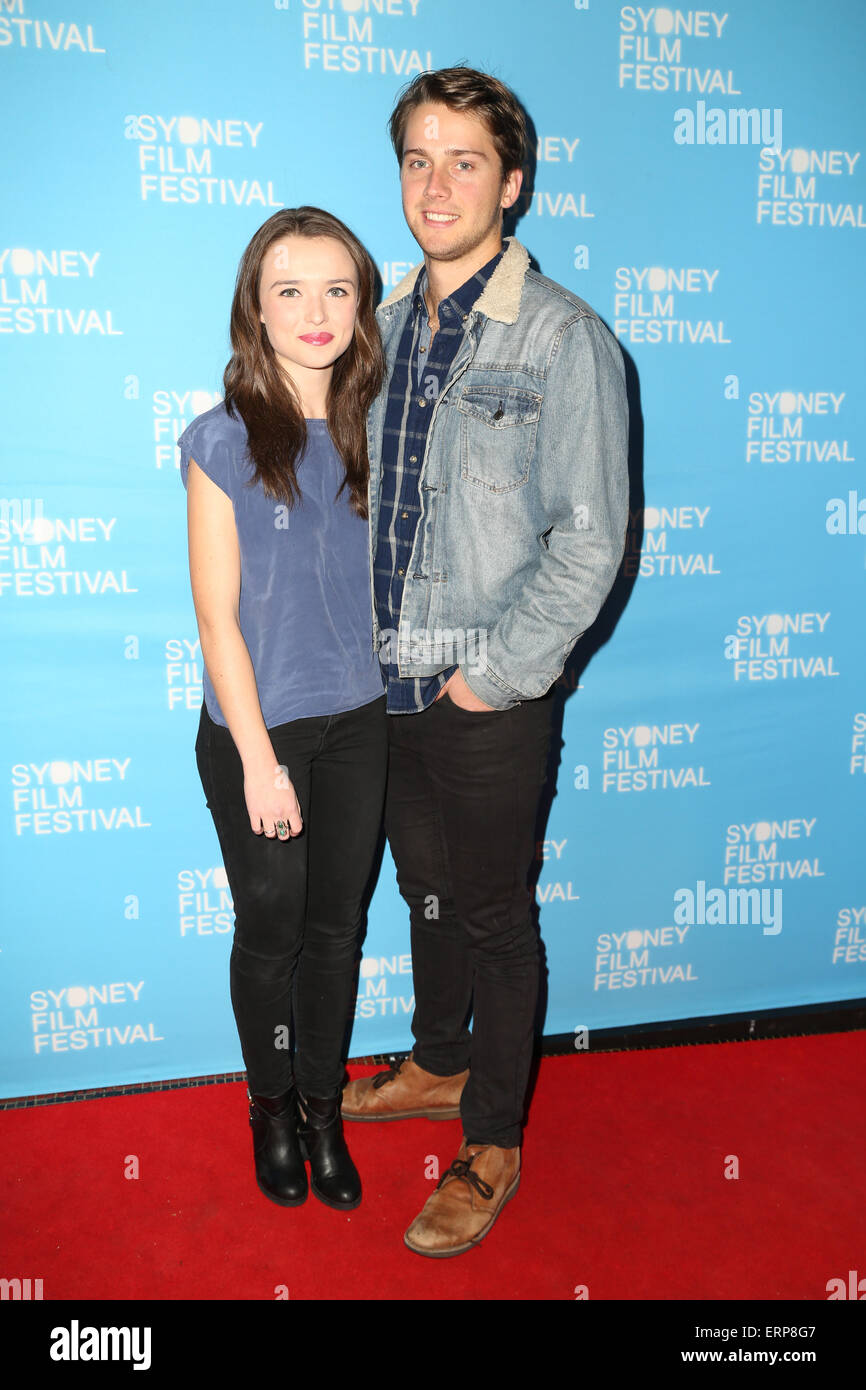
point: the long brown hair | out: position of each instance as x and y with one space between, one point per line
257 389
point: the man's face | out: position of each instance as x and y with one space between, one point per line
452 184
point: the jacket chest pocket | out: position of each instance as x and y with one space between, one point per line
497 435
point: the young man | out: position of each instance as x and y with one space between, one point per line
498 505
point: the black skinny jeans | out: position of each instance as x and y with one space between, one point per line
298 902
463 795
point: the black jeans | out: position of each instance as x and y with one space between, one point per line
298 902
460 814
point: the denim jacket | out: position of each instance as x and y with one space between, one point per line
523 487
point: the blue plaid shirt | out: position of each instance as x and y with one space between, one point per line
419 374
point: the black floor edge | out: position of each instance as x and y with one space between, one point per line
843 1016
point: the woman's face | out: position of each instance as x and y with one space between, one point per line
308 300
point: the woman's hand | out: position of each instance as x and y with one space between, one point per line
215 572
270 798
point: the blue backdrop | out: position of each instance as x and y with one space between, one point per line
698 176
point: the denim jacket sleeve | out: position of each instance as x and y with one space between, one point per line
581 477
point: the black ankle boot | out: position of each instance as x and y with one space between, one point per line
280 1171
333 1176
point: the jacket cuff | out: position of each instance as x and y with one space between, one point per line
490 689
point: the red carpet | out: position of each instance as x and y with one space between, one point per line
623 1189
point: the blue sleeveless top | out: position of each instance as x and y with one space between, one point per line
305 601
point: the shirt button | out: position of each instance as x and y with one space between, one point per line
413 458
422 402
405 516
422 349
401 572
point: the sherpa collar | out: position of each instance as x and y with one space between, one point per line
500 298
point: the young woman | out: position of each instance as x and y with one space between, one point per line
291 747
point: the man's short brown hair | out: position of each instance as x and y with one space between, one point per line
466 89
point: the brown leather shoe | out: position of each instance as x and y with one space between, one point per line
467 1201
404 1092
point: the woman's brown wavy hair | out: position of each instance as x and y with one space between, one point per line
257 389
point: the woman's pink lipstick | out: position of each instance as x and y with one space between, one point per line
317 339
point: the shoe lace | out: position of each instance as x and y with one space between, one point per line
461 1168
390 1075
